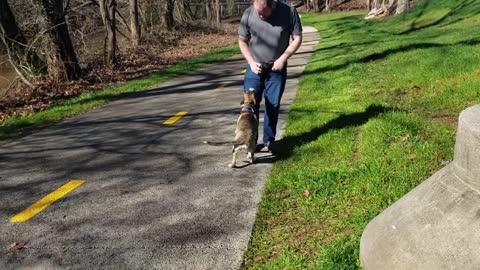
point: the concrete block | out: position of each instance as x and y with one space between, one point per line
437 224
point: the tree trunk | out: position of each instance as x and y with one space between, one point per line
134 23
60 55
107 11
327 5
168 15
320 5
208 12
402 6
16 43
382 8
218 11
183 12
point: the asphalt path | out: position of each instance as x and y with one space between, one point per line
154 196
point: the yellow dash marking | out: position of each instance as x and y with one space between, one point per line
244 71
43 203
220 87
174 118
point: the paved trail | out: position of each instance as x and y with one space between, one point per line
153 196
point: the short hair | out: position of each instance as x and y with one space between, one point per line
268 2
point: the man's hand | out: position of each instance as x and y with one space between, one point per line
256 67
278 65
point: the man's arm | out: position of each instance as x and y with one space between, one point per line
280 63
245 49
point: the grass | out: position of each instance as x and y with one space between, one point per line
14 126
375 115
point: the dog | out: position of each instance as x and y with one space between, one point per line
246 130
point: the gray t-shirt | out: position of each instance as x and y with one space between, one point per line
268 39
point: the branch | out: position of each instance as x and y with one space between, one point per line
123 21
10 59
122 33
66 6
9 87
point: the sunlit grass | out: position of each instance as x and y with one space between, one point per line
375 115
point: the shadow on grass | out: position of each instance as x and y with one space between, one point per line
289 143
459 12
389 52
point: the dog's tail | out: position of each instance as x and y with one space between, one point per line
221 143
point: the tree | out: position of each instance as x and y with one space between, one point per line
318 5
382 8
16 44
218 12
402 6
168 15
183 12
59 52
107 11
135 29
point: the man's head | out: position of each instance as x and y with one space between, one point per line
263 8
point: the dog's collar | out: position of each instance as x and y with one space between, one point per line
248 108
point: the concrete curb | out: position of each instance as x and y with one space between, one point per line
436 225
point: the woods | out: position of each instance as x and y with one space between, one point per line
54 49
382 8
43 38
57 29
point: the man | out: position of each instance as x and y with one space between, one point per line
264 39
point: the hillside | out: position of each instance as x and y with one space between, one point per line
375 115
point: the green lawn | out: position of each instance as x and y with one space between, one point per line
15 126
375 116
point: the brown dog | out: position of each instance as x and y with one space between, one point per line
246 130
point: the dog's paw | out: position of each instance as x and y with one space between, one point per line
231 165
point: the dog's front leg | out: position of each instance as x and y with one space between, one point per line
234 158
251 157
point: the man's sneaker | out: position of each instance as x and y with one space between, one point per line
260 148
273 148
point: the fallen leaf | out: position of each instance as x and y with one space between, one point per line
306 193
16 245
404 138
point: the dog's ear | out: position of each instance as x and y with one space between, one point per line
242 101
254 100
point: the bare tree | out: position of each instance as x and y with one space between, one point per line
107 11
168 15
11 59
58 48
134 23
318 5
327 5
15 42
183 12
382 8
218 12
402 6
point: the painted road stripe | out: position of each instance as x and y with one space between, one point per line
220 87
46 201
174 118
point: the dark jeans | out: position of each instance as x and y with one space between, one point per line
269 85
